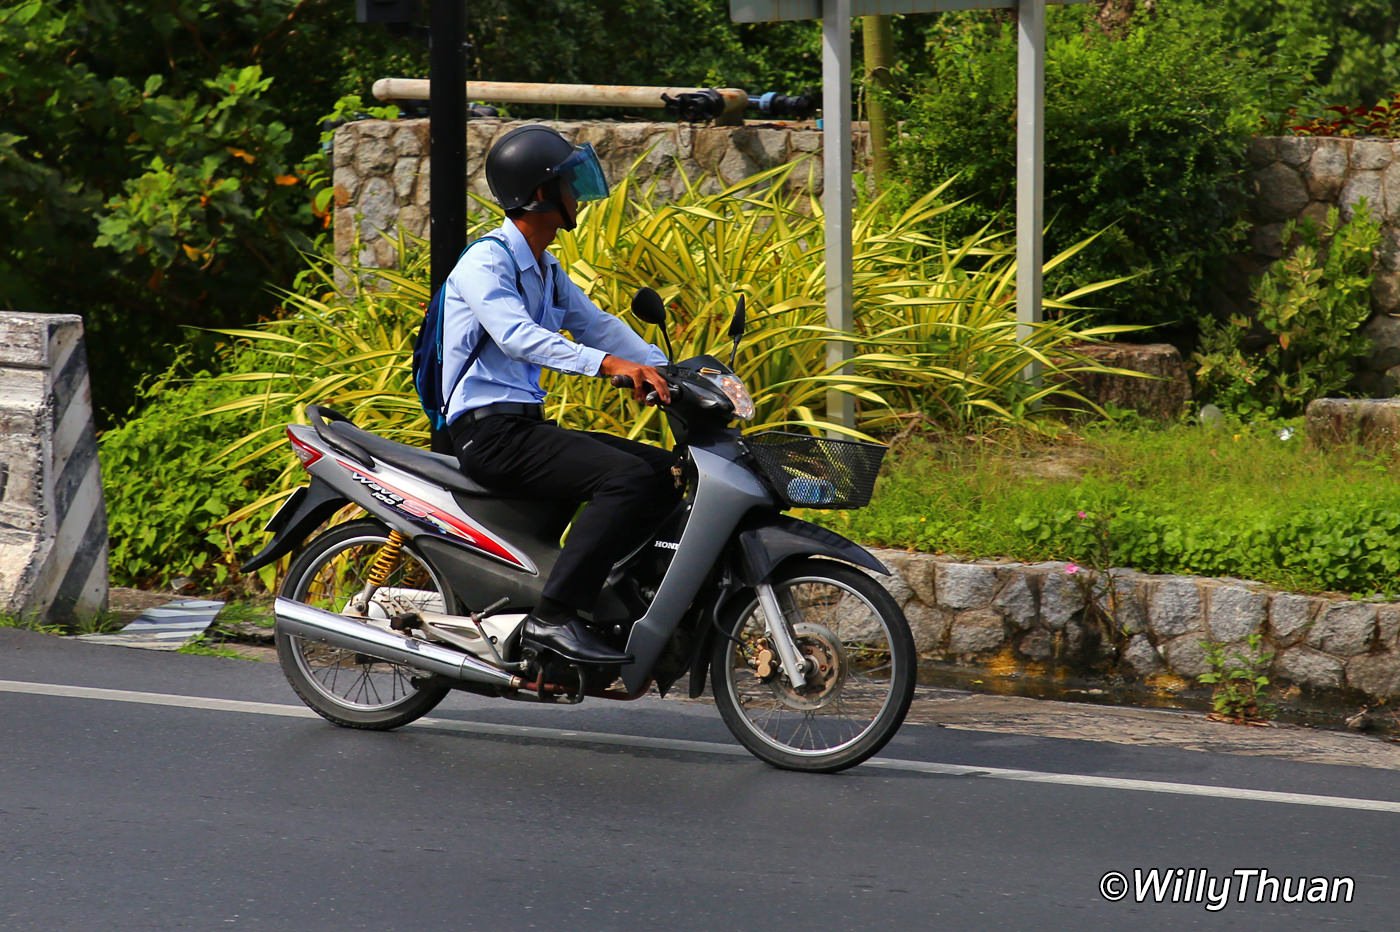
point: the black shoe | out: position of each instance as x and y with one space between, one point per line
572 640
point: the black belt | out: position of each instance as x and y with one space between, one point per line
509 408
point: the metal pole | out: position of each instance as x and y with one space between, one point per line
836 193
447 133
1030 168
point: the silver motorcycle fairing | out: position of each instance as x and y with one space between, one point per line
725 492
405 502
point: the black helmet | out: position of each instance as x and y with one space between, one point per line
528 157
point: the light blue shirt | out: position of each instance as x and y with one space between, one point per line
481 298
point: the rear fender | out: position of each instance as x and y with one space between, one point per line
305 510
761 546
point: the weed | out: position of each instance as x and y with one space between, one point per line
1239 680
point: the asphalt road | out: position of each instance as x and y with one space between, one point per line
141 790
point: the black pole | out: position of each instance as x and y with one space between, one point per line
447 132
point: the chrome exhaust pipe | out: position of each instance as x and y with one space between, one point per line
347 633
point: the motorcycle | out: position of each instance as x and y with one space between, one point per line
812 662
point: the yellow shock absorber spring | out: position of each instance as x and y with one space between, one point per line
387 561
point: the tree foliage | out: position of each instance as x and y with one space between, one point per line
1144 140
152 160
682 43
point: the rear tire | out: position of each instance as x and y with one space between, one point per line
861 678
343 686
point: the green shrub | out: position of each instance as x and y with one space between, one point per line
1312 304
1144 141
167 491
1239 502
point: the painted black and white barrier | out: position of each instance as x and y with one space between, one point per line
53 524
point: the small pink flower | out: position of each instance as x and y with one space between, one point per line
1071 568
1083 515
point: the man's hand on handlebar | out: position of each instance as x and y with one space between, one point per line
642 379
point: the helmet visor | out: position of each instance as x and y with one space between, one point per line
584 173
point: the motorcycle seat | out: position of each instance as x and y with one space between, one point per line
435 467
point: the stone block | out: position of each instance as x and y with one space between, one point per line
373 156
1344 628
1261 150
1036 645
1326 172
929 625
976 631
410 139
405 178
1297 150
1390 190
895 583
1061 598
1388 626
1308 667
378 207
1017 600
915 569
1141 658
1233 613
1376 675
964 585
1291 616
1362 186
1282 193
1117 598
53 523
1174 609
1368 155
1186 656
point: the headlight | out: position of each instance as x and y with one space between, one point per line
737 394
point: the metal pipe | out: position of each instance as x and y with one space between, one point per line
734 99
303 621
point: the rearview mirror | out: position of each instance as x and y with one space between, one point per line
648 307
736 326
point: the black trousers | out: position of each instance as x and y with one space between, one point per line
628 486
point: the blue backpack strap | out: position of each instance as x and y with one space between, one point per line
485 337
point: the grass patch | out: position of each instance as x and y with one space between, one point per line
1254 501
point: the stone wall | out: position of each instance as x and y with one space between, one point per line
1043 616
381 168
1301 177
53 525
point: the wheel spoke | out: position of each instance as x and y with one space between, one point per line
343 677
841 633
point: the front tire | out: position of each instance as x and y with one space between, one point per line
861 678
343 686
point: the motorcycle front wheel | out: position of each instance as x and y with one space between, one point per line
343 686
860 669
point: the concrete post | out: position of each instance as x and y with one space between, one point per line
53 524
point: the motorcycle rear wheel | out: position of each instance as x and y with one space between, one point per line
861 676
343 686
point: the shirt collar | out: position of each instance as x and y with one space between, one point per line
524 257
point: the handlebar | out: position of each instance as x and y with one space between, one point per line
625 381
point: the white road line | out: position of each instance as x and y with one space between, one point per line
709 747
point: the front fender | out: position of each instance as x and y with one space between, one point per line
304 511
766 542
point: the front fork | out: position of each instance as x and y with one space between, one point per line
780 636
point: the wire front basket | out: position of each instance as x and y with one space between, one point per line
814 472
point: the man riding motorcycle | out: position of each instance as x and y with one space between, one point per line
503 307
